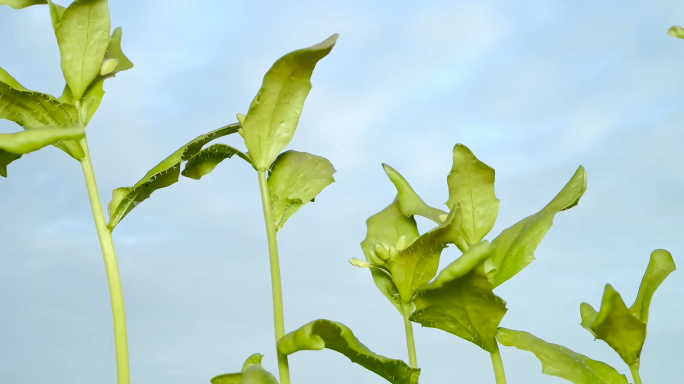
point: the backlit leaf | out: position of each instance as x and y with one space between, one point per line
296 178
410 203
114 52
471 185
659 267
56 13
514 247
162 175
676 31
252 373
207 159
274 114
335 336
19 4
560 361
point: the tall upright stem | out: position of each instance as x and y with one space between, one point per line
278 316
634 368
410 342
498 367
111 266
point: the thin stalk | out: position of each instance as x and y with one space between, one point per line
278 316
410 342
634 368
498 367
111 266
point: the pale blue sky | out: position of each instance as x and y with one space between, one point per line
535 88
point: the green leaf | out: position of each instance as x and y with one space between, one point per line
514 247
207 159
335 336
296 179
56 14
560 361
676 31
35 139
162 175
115 53
33 110
252 373
388 229
5 159
616 325
19 4
624 329
416 265
460 301
274 114
659 267
83 38
471 185
410 203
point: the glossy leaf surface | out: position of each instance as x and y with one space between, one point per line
514 247
252 373
83 38
296 178
389 229
410 203
162 175
19 4
624 329
274 114
471 185
206 160
460 301
321 334
560 361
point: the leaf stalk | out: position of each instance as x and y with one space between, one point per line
410 342
497 362
634 368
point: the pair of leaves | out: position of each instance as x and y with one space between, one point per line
252 373
624 329
199 162
14 145
274 114
560 361
335 336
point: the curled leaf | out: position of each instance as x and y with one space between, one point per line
274 114
560 361
207 159
335 336
19 4
35 139
471 186
162 175
659 267
252 373
410 203
514 247
296 178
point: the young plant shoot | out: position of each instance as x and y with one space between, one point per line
89 56
460 300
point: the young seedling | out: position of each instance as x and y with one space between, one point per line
460 300
89 56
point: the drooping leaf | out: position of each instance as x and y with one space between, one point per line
274 114
19 4
676 31
388 229
83 38
514 247
659 267
471 185
162 175
35 139
33 110
207 159
560 361
296 178
335 336
410 203
460 301
624 329
252 373
417 264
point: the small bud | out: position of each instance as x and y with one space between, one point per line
382 252
375 258
360 263
402 243
108 66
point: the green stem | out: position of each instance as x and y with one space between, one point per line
278 316
634 368
410 342
498 367
111 266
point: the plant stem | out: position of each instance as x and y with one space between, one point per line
410 342
498 367
278 316
111 266
634 368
